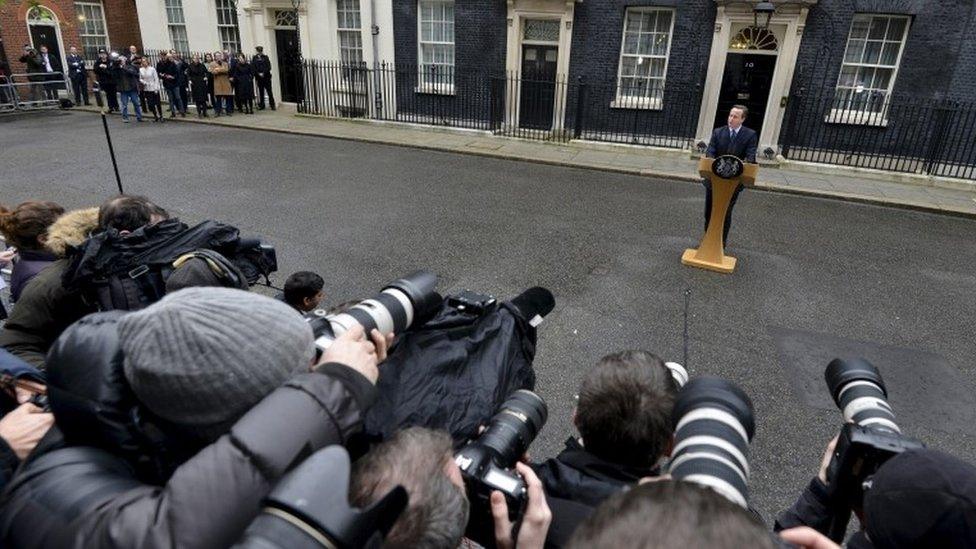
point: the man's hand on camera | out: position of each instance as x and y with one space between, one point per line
805 537
7 257
825 460
353 350
535 521
23 428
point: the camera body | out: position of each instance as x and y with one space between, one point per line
487 463
472 303
859 453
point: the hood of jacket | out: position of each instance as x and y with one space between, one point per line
70 230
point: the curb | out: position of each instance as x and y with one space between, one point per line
643 172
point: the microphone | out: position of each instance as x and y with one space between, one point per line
534 304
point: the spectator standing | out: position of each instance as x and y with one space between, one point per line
52 73
243 85
199 78
169 73
35 72
78 74
105 80
261 64
223 92
182 81
150 89
127 81
208 58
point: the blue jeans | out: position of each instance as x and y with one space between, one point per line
222 100
131 95
175 101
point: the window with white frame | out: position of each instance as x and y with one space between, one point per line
177 26
867 76
436 44
349 27
91 28
644 57
230 37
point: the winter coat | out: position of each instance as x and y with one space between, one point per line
103 73
149 79
29 264
221 78
35 66
45 308
18 370
169 73
243 80
99 490
126 78
261 64
198 76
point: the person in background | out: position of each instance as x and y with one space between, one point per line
150 89
261 65
169 74
127 80
199 78
78 74
220 73
243 78
208 58
303 291
105 80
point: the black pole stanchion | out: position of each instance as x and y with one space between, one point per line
111 151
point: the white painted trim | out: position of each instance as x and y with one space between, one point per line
518 12
793 18
57 32
653 103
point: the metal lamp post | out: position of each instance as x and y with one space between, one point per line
299 61
763 9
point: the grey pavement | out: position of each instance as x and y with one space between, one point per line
816 278
937 194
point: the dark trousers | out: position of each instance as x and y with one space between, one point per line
264 85
185 96
111 96
51 88
154 101
80 85
728 214
224 102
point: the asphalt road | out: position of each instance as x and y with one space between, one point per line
816 278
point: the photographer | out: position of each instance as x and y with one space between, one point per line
22 422
624 419
126 76
920 498
421 461
178 420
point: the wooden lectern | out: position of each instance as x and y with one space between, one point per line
710 254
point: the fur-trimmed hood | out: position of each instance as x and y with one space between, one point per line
70 230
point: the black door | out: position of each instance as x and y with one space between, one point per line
746 81
538 86
289 72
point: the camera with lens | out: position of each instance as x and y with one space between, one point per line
713 426
411 300
869 439
308 509
487 463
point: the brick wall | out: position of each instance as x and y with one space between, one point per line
121 19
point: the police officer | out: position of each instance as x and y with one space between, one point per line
261 65
78 74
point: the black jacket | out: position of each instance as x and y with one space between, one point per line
814 509
261 64
576 482
76 67
243 79
198 76
169 73
126 77
117 481
746 143
103 74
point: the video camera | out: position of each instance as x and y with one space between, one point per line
308 509
402 303
869 439
487 463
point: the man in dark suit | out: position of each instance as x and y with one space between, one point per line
737 140
262 74
78 74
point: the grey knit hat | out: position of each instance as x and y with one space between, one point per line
202 357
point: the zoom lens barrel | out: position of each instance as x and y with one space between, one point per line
514 427
860 393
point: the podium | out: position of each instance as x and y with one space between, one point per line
710 254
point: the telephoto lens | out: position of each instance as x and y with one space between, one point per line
714 424
678 373
396 308
487 462
860 394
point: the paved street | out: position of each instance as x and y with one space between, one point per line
816 278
